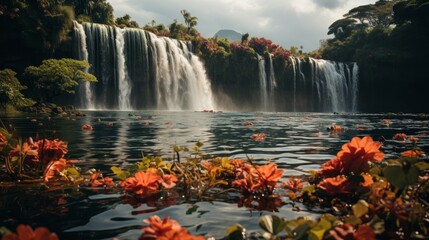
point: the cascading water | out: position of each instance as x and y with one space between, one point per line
82 54
262 82
139 70
327 86
123 81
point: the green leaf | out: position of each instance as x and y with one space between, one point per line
122 175
272 224
192 209
301 232
73 171
395 175
360 208
412 175
422 166
236 232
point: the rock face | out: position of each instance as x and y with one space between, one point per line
231 35
51 109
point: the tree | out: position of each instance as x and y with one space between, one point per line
10 91
58 76
125 21
244 38
190 21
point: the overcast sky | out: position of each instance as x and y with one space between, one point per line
285 22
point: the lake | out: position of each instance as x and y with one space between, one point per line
297 142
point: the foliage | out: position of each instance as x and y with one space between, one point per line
10 91
36 30
262 45
190 21
42 159
125 21
57 76
98 11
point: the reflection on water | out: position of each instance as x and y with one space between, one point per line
297 142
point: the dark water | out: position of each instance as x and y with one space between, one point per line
297 142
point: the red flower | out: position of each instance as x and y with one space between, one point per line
335 185
107 181
142 183
87 127
168 181
259 137
25 232
413 139
27 150
356 154
399 137
412 153
51 150
332 168
247 123
269 174
295 184
54 169
166 229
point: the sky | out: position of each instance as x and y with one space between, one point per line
285 22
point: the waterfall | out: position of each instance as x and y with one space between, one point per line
123 81
85 93
262 82
324 86
139 70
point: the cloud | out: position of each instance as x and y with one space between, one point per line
291 22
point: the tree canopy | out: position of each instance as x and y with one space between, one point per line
10 91
57 76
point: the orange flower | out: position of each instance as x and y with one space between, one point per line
259 137
364 232
367 180
335 128
413 139
399 137
335 185
87 127
332 168
168 181
412 153
142 183
107 181
295 184
356 155
54 169
25 232
28 151
51 150
269 174
247 123
165 229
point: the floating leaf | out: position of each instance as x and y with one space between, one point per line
192 209
236 232
272 224
401 176
301 232
360 208
73 171
119 173
422 166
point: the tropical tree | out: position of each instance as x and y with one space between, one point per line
190 21
10 91
125 21
58 76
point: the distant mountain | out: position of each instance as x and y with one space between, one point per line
231 35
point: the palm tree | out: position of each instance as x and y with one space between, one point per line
190 21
